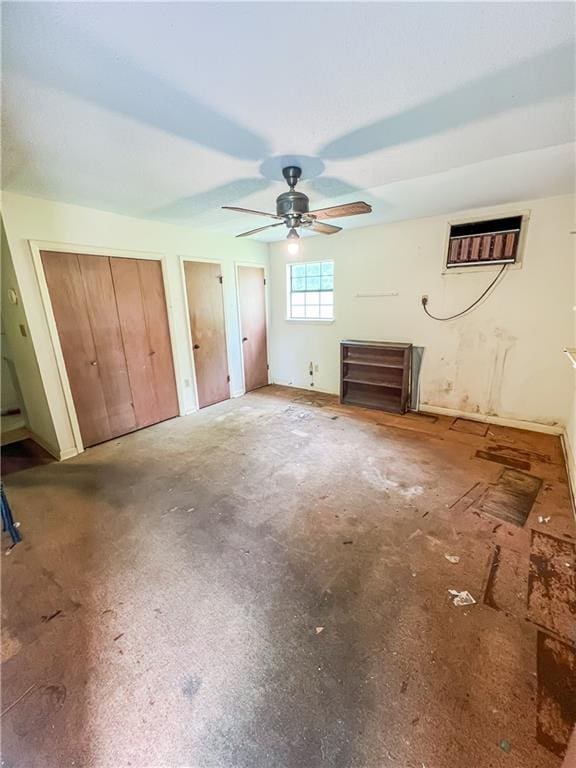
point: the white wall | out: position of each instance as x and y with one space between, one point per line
570 431
18 347
28 218
503 360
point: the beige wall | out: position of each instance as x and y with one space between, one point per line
28 219
502 360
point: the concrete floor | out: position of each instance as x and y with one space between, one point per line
264 585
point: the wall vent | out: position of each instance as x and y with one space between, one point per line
484 242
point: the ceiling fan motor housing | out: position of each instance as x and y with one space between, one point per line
292 203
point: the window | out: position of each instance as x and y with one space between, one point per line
311 291
484 242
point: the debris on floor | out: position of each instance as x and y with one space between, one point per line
461 598
505 745
542 519
452 558
319 629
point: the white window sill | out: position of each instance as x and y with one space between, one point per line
309 320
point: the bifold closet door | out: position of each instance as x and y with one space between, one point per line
113 327
207 327
84 306
252 295
144 325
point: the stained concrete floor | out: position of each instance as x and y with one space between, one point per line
264 585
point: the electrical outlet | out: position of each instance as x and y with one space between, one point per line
424 298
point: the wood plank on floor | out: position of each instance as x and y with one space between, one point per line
511 497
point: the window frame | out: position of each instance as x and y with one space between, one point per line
309 320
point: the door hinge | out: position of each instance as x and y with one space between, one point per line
228 378
220 279
267 367
264 281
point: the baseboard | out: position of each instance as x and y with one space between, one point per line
531 426
67 453
570 461
308 388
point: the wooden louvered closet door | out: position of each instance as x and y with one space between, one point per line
113 328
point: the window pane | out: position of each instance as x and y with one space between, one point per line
298 270
326 298
298 298
313 312
297 312
298 284
326 313
313 283
312 298
327 283
312 270
327 267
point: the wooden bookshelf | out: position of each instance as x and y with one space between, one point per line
375 374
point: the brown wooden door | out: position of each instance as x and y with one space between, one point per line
158 331
84 306
113 328
252 293
144 322
206 310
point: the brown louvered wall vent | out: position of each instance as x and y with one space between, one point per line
484 242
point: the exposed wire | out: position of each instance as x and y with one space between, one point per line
464 311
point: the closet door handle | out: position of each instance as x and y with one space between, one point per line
196 346
94 362
245 338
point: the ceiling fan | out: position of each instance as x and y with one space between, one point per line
292 210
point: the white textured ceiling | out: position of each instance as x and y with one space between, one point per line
170 110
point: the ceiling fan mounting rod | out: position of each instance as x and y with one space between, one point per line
291 173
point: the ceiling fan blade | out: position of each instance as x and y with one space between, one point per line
337 211
260 229
249 210
326 229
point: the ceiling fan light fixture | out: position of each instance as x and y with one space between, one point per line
293 242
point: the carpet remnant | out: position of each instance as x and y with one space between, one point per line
556 713
511 497
552 585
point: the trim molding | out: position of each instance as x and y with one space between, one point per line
66 453
570 461
531 426
303 386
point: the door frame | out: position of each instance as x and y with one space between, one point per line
91 250
227 329
237 265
